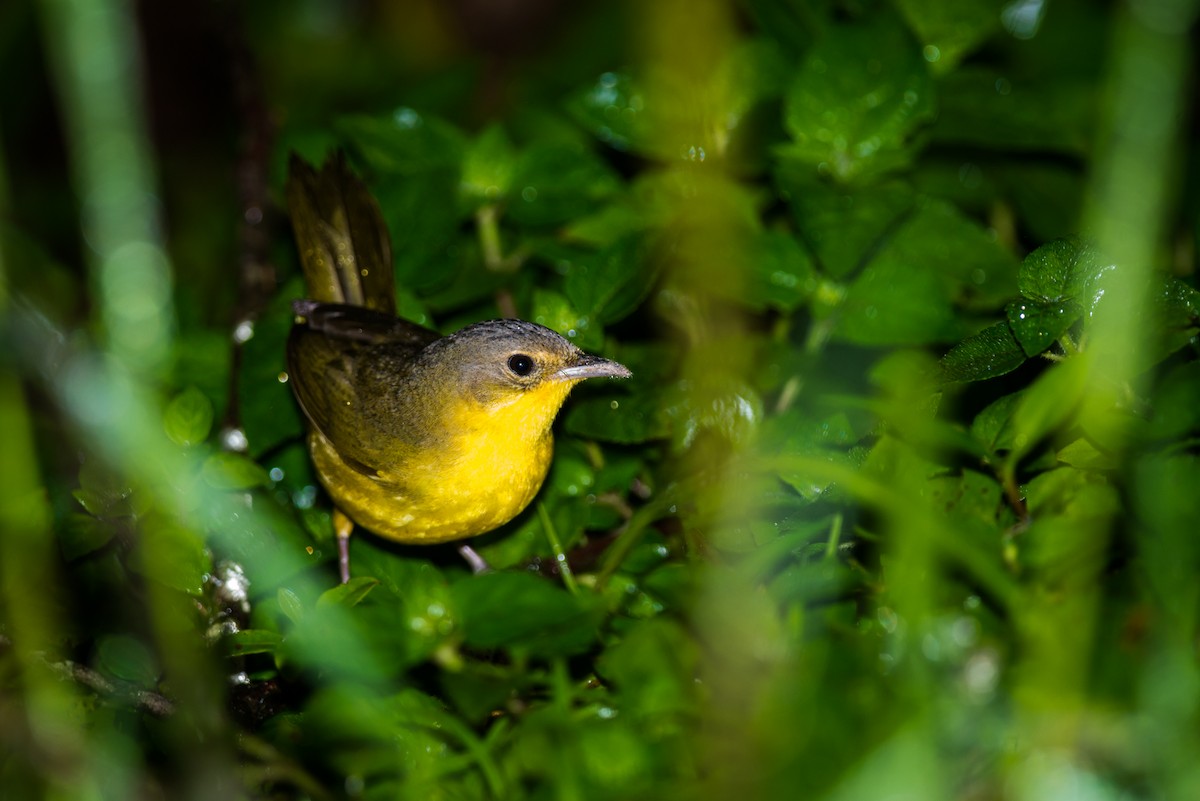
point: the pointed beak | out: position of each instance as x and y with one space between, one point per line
588 366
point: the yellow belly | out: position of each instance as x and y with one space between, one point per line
460 492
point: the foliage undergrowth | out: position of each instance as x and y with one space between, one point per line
900 501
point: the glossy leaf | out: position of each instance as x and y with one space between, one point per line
992 352
1037 326
858 100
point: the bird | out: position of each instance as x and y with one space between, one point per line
417 437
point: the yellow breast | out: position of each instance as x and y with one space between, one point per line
482 474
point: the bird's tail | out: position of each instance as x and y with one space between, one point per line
345 250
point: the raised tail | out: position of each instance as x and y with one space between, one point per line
345 249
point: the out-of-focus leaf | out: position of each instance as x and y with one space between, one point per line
1086 456
558 183
290 604
253 641
896 303
950 30
985 109
350 593
714 404
488 167
991 426
653 666
1176 410
523 612
772 270
81 534
1047 405
232 471
842 224
611 285
269 414
554 311
858 100
625 419
614 110
979 273
188 417
128 659
423 216
405 141
173 555
992 352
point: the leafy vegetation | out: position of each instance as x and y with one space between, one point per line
900 501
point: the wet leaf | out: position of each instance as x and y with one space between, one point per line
858 100
1037 326
992 352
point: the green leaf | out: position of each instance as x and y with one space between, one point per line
81 534
842 224
423 215
858 100
1047 405
614 109
405 141
979 273
653 667
1037 326
253 641
991 426
892 303
232 471
523 612
556 183
716 404
609 286
127 659
553 310
1086 456
348 594
770 271
950 30
1176 410
617 417
290 604
488 167
173 554
986 109
1063 270
269 413
992 352
188 417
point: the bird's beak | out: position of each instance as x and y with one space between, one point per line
588 366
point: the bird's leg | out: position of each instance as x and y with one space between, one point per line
342 526
478 563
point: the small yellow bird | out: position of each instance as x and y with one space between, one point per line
418 437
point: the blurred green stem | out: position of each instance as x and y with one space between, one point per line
560 557
95 53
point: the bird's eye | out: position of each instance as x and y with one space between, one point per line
520 364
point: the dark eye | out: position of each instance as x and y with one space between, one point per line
520 364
